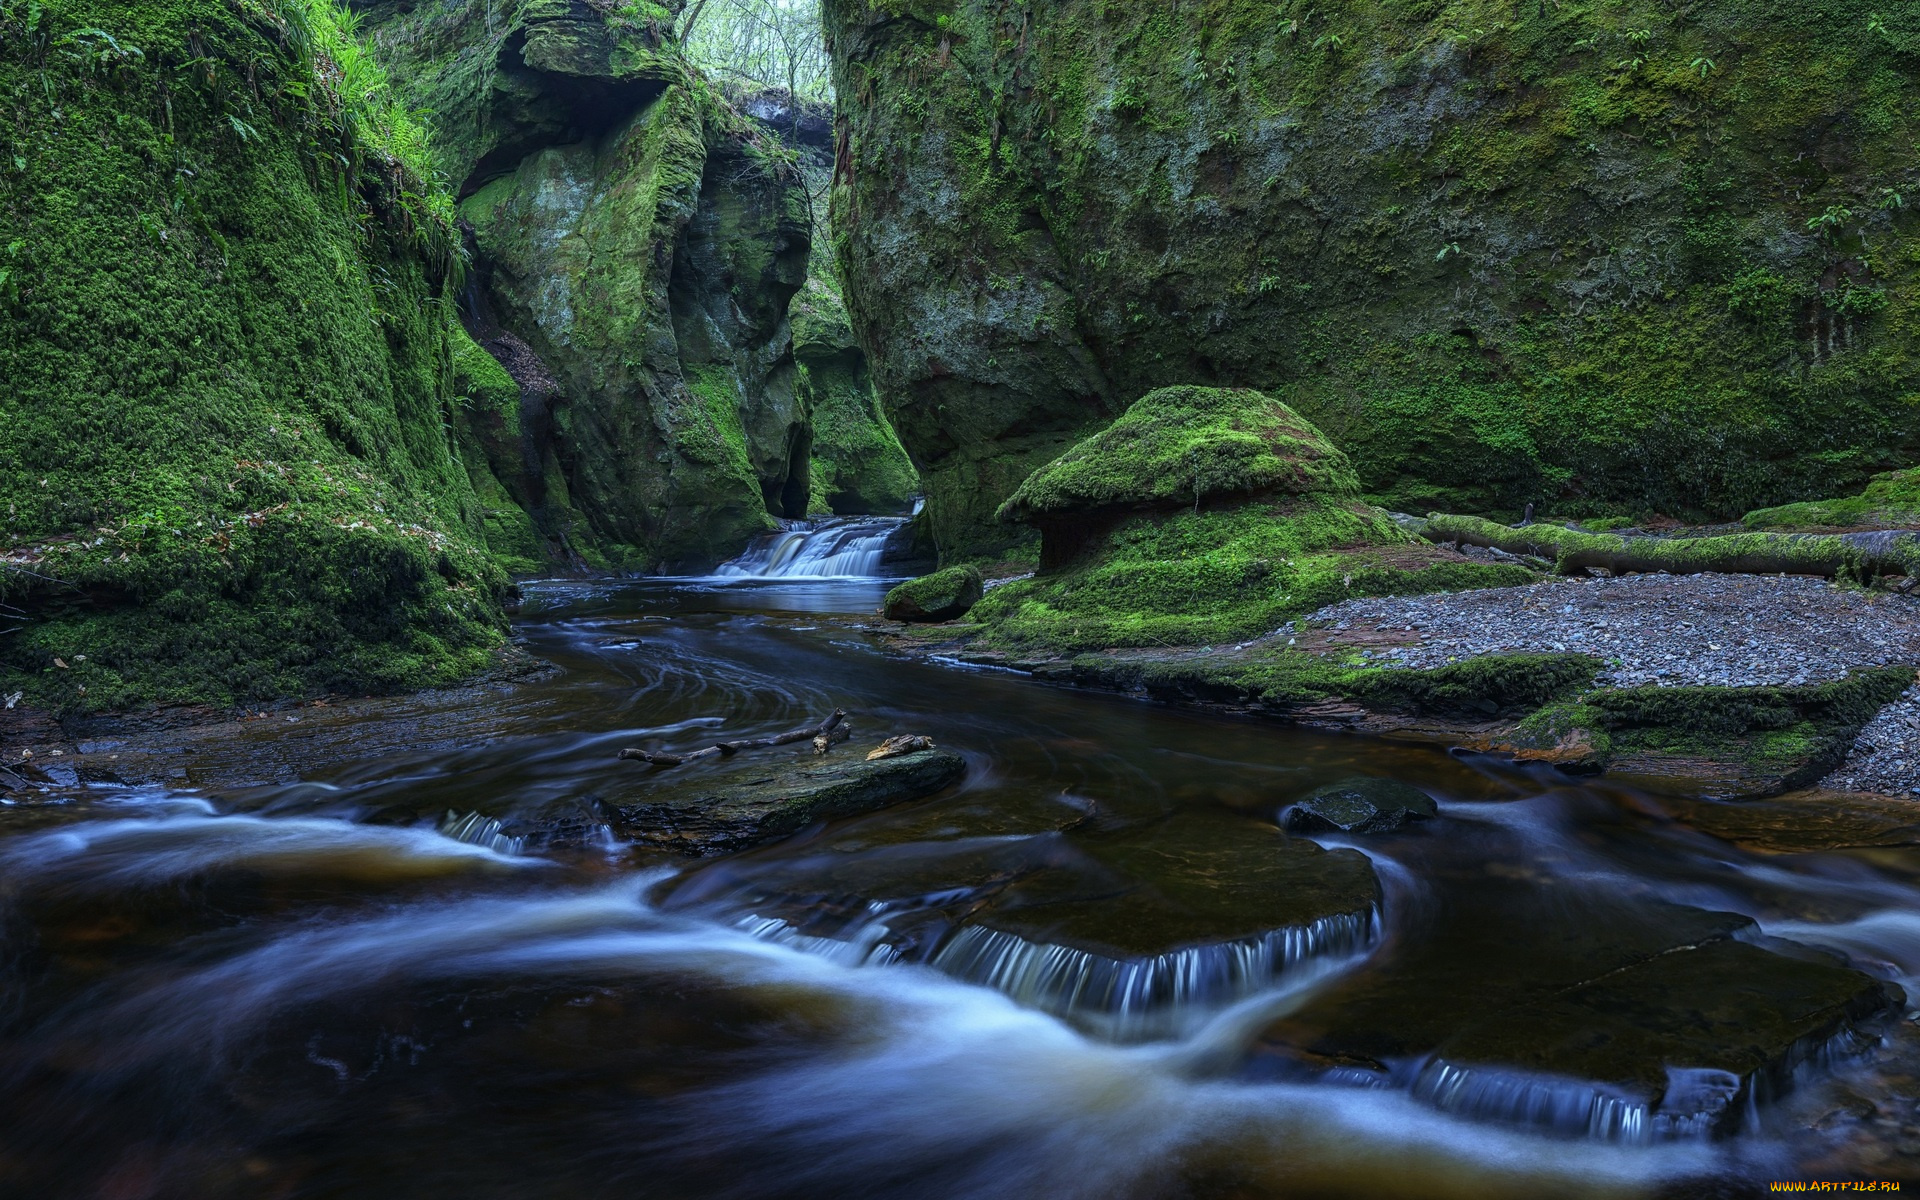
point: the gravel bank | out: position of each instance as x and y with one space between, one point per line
1668 630
1886 755
1674 631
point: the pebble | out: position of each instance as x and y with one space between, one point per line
1680 631
1663 630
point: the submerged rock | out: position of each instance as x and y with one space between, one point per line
1196 910
773 796
943 596
1361 805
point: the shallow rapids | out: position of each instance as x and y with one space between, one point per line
406 951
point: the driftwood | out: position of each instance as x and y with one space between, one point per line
1573 552
823 742
906 743
824 729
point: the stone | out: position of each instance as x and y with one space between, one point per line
771 796
1362 804
942 596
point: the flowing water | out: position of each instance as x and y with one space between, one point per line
402 950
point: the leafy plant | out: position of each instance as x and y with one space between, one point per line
1702 65
1829 223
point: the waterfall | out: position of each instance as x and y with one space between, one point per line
831 548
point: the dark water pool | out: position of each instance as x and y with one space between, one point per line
288 982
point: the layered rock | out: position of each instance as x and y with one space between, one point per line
1639 258
224 462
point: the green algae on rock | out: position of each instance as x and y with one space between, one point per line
223 456
1613 258
945 595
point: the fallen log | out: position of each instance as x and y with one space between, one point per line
1858 556
660 758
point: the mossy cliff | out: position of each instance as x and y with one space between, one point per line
1595 256
1203 516
636 244
224 460
858 464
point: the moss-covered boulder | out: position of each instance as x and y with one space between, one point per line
1186 445
942 596
1631 257
225 472
1203 516
636 245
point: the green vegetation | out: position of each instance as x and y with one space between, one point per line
1186 445
1579 272
1573 551
1251 520
224 459
945 595
1890 501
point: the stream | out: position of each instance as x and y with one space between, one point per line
404 951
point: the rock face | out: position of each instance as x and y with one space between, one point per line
224 467
636 244
1499 256
778 795
858 463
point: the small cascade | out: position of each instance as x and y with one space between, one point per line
832 548
1063 979
1696 1104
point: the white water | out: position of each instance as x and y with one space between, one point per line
826 549
907 1082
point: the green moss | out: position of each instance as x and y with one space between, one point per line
945 595
1189 579
1891 500
1554 279
1186 445
224 453
1280 679
858 464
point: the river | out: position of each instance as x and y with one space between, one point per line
298 985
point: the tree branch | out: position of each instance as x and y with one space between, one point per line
729 749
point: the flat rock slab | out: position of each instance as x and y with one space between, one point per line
1361 805
1198 909
767 797
1676 1045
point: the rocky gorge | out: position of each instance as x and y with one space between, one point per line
1361 562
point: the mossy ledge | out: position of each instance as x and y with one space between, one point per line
224 456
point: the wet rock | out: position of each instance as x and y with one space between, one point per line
1198 909
1361 805
943 596
1669 1048
774 796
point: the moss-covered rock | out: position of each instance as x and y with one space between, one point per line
1604 258
225 472
942 596
636 245
1203 516
1186 445
858 465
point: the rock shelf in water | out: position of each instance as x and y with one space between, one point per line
773 797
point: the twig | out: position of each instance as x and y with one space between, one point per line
729 749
